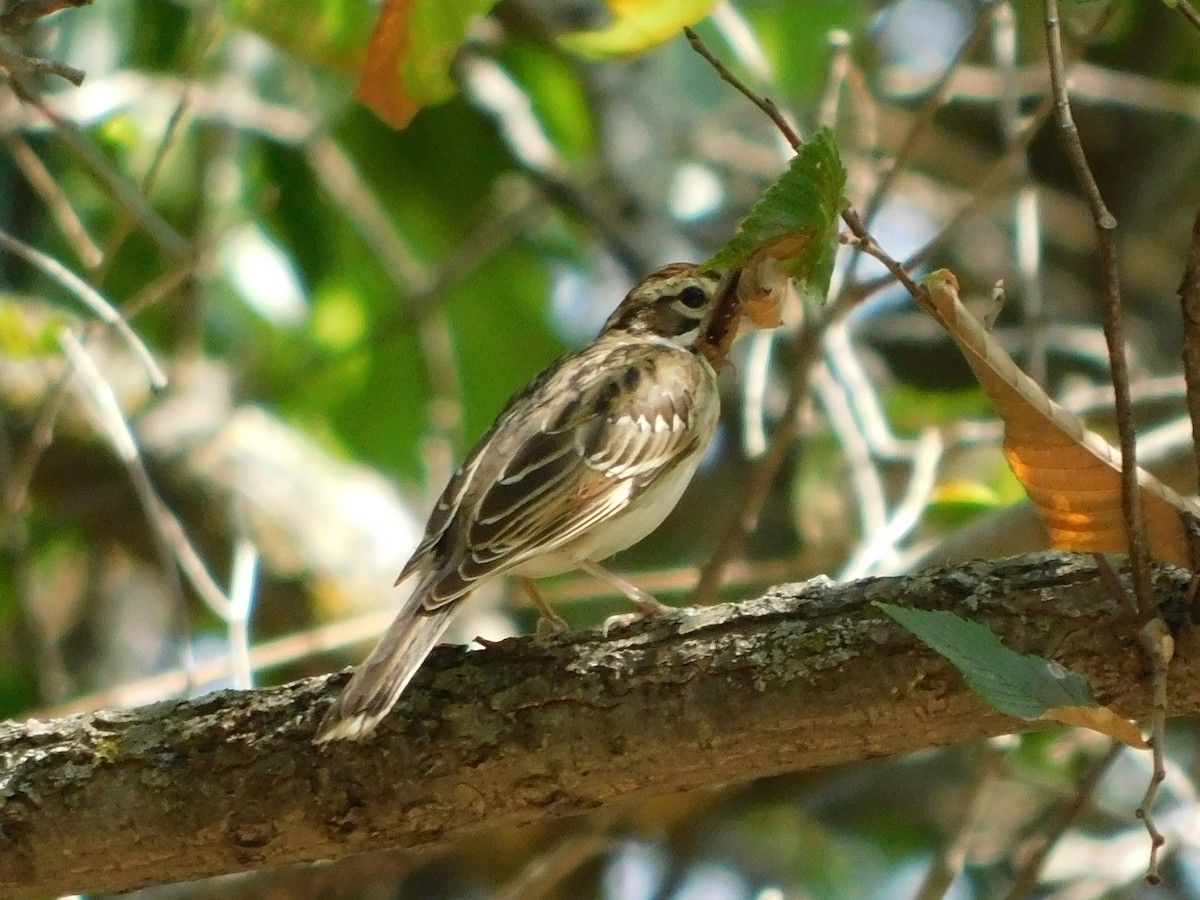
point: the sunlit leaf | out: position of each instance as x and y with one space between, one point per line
408 61
1072 475
24 334
966 492
637 26
796 220
331 33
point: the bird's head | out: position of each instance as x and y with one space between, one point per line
696 309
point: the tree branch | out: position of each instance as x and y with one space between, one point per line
806 676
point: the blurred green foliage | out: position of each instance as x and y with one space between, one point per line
649 160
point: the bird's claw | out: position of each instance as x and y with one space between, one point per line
551 626
648 608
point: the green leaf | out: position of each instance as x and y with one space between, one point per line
331 33
25 334
796 220
438 29
1017 684
638 26
411 48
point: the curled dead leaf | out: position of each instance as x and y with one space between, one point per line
1072 475
1101 719
758 297
761 290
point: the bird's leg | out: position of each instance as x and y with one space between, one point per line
648 607
549 622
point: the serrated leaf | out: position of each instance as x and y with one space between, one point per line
637 26
408 60
796 219
1018 684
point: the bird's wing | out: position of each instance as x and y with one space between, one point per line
575 456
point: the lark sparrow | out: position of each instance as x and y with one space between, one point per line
588 459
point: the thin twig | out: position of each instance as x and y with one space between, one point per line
125 223
1189 301
173 544
358 202
1188 12
1032 857
807 349
997 176
755 381
336 172
866 107
42 436
934 100
863 394
1119 594
867 244
52 195
835 77
93 300
1158 644
52 67
159 288
541 874
514 207
25 12
1026 208
1114 325
107 411
907 514
767 106
93 159
865 477
241 601
949 863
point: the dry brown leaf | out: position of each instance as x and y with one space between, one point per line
761 288
1072 475
1101 719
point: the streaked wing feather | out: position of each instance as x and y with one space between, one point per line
617 452
582 464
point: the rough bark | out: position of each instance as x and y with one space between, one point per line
528 730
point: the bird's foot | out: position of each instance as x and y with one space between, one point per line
647 608
551 624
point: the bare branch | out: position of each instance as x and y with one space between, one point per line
1159 646
92 299
24 13
1188 12
1034 855
803 677
767 106
1189 301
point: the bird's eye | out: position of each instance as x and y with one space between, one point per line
693 297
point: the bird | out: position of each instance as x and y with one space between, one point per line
586 460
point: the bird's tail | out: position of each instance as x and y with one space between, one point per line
382 676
